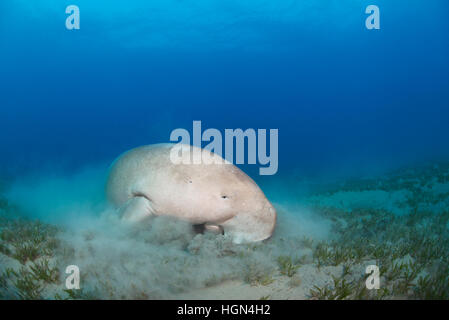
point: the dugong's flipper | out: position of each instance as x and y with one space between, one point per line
209 227
136 209
215 228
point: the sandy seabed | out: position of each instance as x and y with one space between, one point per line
320 250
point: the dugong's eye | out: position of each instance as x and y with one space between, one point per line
224 197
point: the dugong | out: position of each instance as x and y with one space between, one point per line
219 196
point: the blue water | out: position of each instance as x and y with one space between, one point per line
345 99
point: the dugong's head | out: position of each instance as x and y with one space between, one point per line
220 194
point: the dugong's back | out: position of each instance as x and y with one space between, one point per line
182 190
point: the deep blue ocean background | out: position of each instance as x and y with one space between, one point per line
352 105
346 100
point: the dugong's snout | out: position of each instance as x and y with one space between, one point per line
252 226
